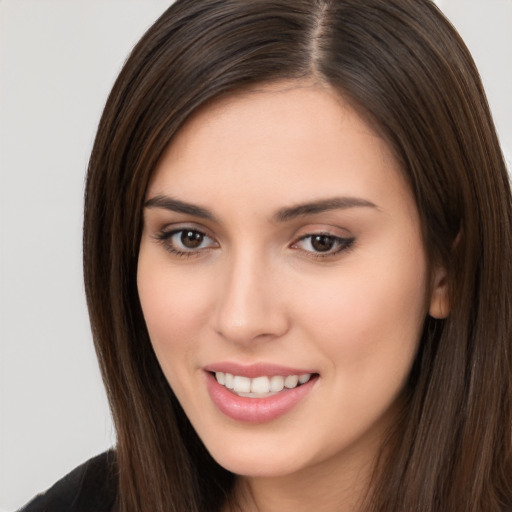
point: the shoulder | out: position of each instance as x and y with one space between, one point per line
90 487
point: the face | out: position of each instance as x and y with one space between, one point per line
283 279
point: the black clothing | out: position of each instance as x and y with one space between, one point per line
91 487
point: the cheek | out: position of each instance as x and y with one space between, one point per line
174 311
368 332
370 313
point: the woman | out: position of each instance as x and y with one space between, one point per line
297 247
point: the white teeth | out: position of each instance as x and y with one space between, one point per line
228 378
291 381
241 384
304 378
260 386
276 383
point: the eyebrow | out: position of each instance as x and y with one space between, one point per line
174 205
282 215
324 205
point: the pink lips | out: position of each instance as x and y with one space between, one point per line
255 410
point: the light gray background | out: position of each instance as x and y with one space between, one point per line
58 60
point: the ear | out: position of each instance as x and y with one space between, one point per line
439 298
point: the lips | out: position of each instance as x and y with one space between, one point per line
257 393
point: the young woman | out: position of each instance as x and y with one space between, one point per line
297 240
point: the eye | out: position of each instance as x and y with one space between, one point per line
186 241
323 244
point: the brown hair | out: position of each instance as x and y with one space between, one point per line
405 66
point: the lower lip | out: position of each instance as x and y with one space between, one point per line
256 410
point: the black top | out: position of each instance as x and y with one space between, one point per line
90 487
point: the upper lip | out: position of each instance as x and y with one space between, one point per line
255 370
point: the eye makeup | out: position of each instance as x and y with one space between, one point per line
190 241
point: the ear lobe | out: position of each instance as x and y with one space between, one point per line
439 298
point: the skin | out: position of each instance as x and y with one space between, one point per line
255 290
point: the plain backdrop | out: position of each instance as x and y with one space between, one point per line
58 60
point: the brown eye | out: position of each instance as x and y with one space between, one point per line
186 242
191 239
322 243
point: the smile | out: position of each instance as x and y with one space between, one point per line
257 393
260 387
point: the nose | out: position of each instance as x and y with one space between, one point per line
251 301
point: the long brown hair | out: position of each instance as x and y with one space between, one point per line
407 69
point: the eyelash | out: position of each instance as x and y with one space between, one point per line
343 244
165 238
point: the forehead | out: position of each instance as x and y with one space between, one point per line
280 143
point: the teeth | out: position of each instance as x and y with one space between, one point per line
304 378
260 386
291 381
276 383
228 379
241 384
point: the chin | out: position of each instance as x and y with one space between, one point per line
256 460
259 468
